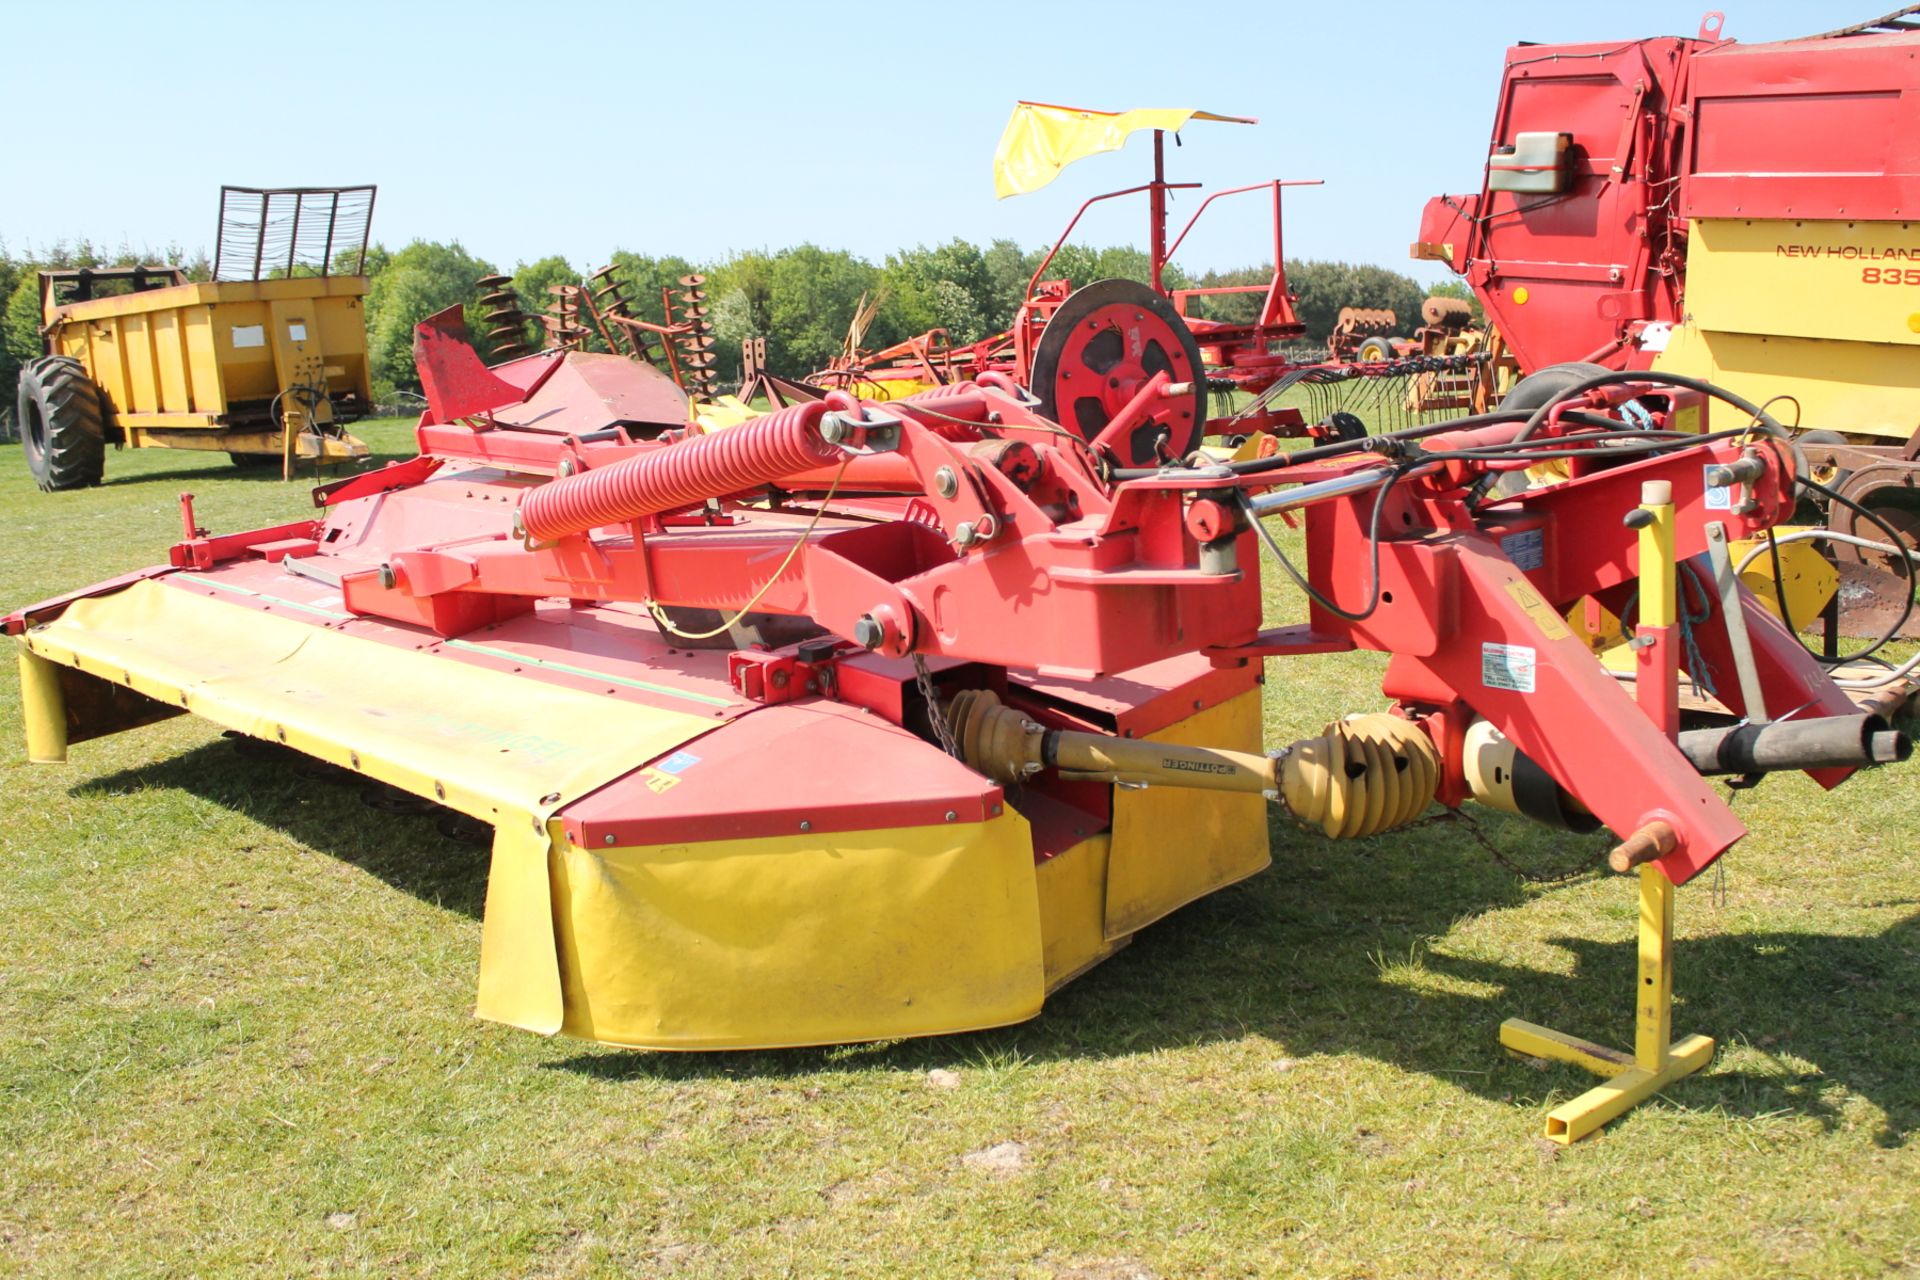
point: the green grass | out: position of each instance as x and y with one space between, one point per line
235 1038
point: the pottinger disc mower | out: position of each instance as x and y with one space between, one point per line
866 720
1087 353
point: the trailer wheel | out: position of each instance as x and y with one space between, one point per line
1376 348
1545 385
1542 386
1822 464
62 428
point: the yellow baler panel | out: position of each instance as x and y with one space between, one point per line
1854 387
1846 281
1826 312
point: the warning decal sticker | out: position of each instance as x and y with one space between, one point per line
1507 666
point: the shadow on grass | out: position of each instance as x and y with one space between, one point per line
1325 953
323 808
229 471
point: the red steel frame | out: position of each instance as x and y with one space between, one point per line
963 529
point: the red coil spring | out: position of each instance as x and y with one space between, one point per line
681 475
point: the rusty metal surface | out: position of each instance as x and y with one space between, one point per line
1365 322
1870 602
1447 313
699 364
506 333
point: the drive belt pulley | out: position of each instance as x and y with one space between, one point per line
1102 345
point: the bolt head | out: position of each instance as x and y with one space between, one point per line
945 483
868 632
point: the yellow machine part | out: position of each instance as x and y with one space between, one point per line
722 412
889 389
182 356
807 938
801 939
1811 582
1220 837
835 937
1825 312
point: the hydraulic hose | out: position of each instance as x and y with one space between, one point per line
1617 377
679 475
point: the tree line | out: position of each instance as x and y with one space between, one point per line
801 299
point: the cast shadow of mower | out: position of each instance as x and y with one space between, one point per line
417 847
1326 953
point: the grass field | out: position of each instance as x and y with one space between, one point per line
235 1038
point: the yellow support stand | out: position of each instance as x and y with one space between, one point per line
1657 1060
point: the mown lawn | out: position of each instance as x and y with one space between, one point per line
235 1038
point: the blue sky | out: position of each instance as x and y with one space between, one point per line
746 124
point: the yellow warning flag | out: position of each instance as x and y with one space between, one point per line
1041 140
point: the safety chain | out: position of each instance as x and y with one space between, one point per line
941 729
1463 818
1587 864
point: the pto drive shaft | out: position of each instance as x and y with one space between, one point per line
1362 776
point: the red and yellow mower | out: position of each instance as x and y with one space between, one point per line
860 721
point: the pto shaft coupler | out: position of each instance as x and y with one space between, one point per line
1363 775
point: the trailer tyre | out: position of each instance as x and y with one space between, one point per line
62 425
1376 349
1543 386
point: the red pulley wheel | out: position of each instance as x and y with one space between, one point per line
1099 348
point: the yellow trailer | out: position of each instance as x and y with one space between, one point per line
267 361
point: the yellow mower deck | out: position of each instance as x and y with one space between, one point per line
762 940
